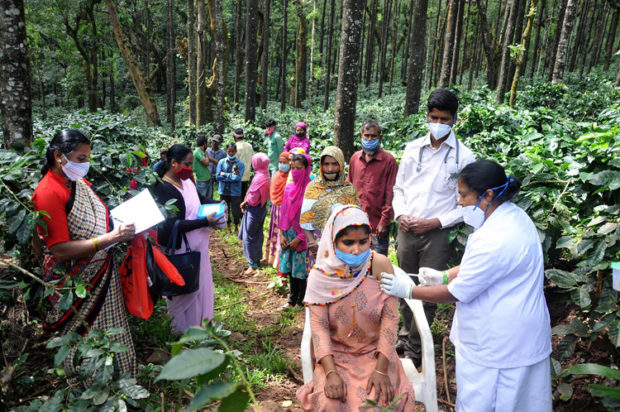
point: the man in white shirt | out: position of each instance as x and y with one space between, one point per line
425 203
245 151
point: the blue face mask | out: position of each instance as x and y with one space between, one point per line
351 259
284 168
370 144
231 158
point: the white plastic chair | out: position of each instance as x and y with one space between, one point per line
424 383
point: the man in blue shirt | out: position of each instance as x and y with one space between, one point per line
215 155
228 175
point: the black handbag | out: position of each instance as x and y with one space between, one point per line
188 265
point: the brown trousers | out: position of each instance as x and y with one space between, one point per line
432 250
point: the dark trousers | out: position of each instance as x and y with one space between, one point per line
298 291
432 250
244 188
234 207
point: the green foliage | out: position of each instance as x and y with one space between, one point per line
195 357
107 390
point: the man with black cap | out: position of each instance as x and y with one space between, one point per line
245 151
215 155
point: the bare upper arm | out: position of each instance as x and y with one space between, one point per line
381 263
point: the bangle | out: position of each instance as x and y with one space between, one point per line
410 292
446 279
381 373
95 243
330 371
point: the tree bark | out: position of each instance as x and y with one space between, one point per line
444 78
385 35
473 49
454 65
417 61
191 59
370 45
504 68
220 36
567 27
346 94
283 53
312 47
251 24
535 52
556 39
238 53
298 93
171 67
264 69
141 83
330 35
405 58
519 59
611 36
15 82
202 105
436 42
87 49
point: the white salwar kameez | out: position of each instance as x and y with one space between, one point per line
501 329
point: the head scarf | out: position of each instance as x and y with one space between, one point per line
331 279
278 182
322 195
293 199
260 183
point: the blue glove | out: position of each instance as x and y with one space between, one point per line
399 284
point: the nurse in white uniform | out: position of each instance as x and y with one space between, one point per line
501 329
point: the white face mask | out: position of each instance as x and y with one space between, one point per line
439 130
74 170
473 216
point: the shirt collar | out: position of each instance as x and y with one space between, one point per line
378 156
450 141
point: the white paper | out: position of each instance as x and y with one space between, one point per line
140 210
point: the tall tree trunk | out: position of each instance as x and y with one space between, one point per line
556 39
141 83
191 59
473 49
330 35
312 47
519 59
220 36
598 39
504 68
417 61
611 36
454 66
576 50
264 69
370 44
385 35
283 52
405 59
395 44
171 67
251 24
444 79
346 94
238 52
435 58
567 27
202 105
112 80
535 53
360 64
586 38
617 77
322 35
299 89
15 82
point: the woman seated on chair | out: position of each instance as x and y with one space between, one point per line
354 325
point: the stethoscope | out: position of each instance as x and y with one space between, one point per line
445 159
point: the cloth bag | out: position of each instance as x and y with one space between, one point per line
133 273
188 265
